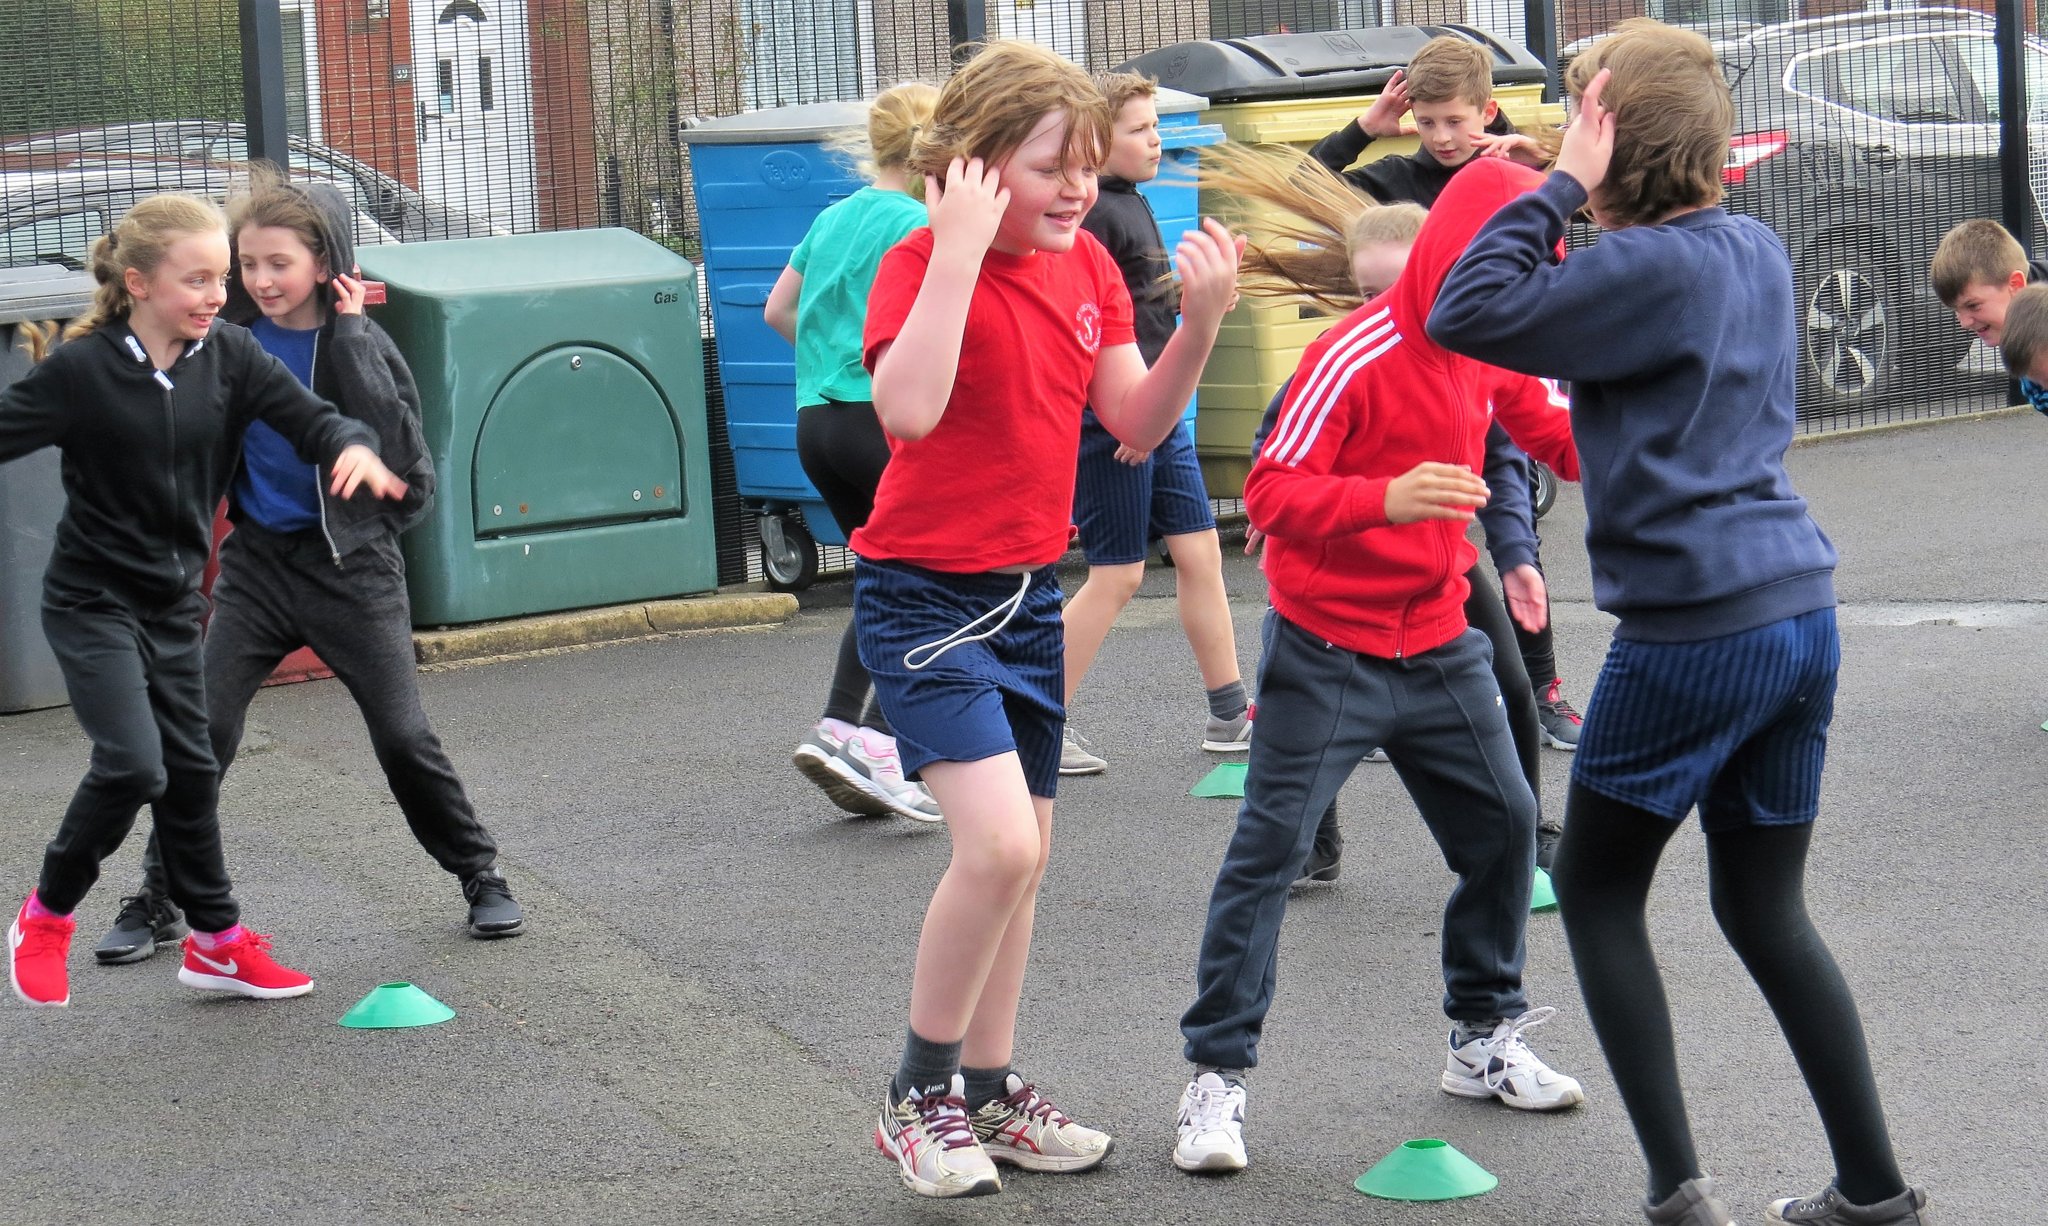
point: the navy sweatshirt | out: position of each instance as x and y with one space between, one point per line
1123 220
1680 343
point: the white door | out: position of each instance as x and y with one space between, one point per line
1058 25
472 80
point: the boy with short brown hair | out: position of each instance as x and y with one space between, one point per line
1977 269
1448 87
2025 343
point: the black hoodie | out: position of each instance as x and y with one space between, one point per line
1417 178
358 368
148 453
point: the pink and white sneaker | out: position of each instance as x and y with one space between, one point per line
242 966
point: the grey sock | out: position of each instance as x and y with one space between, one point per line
984 1085
1464 1032
926 1065
1228 701
1230 1076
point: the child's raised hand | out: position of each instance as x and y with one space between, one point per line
348 295
1511 145
967 209
1383 117
1434 491
1206 259
356 467
1589 139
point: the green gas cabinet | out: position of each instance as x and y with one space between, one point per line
562 394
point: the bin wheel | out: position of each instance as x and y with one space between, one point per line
1542 488
789 557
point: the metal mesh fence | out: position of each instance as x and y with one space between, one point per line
1861 135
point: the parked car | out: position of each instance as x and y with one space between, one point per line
398 209
55 216
1861 139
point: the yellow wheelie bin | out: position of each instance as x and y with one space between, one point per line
1295 89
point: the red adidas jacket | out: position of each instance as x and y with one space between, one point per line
1373 398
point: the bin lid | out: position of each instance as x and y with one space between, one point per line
44 291
523 261
1174 102
807 121
1316 65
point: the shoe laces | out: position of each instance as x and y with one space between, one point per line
1510 1050
1554 699
1209 1109
487 884
944 1117
242 946
44 935
1028 1101
138 907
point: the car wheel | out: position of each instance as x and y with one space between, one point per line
1542 488
1848 325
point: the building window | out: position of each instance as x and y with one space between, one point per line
485 99
446 86
376 10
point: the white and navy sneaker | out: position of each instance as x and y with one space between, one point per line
1501 1065
1211 1126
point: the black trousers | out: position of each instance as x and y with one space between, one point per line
278 593
137 689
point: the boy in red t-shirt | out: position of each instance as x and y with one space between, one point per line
1364 490
987 334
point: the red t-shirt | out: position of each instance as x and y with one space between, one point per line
993 484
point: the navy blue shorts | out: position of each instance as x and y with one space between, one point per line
1120 508
1737 725
980 698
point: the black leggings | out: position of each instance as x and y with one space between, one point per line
843 451
1756 880
1538 649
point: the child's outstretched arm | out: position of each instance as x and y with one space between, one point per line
913 373
1139 406
34 412
1537 418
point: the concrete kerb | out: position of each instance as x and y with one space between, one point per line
616 623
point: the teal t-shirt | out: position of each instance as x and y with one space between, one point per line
837 261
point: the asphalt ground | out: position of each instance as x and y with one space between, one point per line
698 1025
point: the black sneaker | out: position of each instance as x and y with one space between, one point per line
493 912
1560 721
1323 856
145 922
1548 832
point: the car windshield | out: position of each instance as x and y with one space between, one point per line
1898 80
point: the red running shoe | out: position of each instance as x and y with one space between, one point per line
36 950
242 966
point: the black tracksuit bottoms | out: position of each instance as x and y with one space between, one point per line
137 689
279 592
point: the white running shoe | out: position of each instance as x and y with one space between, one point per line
1076 760
933 1145
1024 1129
1501 1065
1211 1126
867 761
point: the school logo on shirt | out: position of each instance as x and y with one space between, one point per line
1088 326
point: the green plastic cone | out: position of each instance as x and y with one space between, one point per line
392 1006
1428 1169
1542 896
1225 781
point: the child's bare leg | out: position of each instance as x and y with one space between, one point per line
998 853
991 1033
1090 614
1204 605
